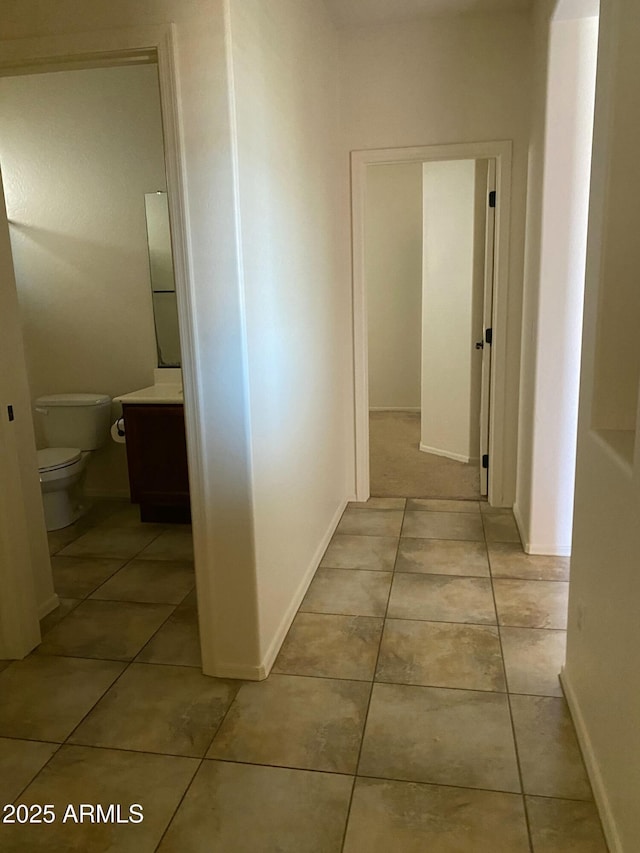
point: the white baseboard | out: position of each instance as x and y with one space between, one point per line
457 457
274 647
48 606
395 409
243 673
593 770
538 549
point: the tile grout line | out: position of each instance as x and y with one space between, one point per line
307 675
197 770
508 697
205 759
373 677
40 770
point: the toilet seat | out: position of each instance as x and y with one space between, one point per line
54 458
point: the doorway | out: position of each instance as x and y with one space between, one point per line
28 582
429 341
85 238
429 242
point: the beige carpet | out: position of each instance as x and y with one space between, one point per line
400 469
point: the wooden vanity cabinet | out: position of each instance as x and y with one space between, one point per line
157 460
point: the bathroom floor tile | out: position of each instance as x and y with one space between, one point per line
169 709
77 577
500 527
331 646
124 542
508 560
150 581
405 817
531 604
128 515
550 758
59 539
443 525
441 598
379 503
173 544
442 557
485 507
463 738
370 522
63 609
177 642
292 811
103 509
348 592
79 774
564 826
440 654
114 630
20 760
190 600
45 698
533 658
294 721
375 553
434 505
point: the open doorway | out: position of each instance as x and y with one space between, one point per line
84 169
89 226
429 244
430 249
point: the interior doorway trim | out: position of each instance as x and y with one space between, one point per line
501 152
134 46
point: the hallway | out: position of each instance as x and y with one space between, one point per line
414 706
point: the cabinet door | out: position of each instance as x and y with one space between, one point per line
157 454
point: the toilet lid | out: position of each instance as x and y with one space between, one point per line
57 457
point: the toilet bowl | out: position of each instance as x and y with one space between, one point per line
61 471
80 420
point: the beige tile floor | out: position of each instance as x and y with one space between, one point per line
415 705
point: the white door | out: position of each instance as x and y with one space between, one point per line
23 552
485 343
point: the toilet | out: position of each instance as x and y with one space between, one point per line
73 425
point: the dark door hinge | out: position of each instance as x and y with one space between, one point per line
10 412
488 336
492 198
485 460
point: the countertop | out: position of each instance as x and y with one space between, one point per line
159 393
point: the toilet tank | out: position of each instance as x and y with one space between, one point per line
75 420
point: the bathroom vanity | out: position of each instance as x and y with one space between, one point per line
154 416
157 452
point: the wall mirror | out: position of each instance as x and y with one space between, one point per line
163 290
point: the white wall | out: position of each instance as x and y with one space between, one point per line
215 395
79 149
560 161
442 80
25 568
294 240
448 354
393 273
602 675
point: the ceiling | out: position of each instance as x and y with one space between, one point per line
356 13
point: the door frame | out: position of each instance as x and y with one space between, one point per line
120 47
501 152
